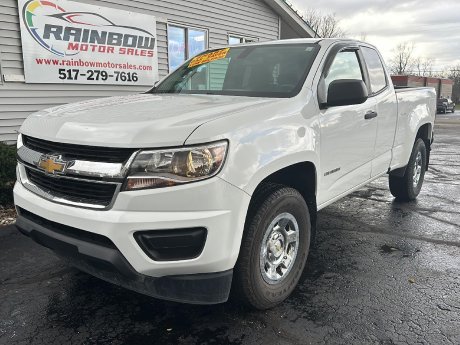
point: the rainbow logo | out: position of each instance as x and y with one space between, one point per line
29 14
38 13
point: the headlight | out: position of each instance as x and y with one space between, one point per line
172 167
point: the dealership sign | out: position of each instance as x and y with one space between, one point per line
68 42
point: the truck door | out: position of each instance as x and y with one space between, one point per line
387 110
347 132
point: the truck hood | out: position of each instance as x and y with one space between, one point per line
145 120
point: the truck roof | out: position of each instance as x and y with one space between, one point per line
322 41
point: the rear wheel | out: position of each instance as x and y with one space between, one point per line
408 186
274 248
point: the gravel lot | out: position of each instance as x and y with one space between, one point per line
7 215
382 272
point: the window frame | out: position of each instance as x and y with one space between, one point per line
387 84
186 28
356 52
333 51
242 37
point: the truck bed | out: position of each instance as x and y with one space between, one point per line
409 88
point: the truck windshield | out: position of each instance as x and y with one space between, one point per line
276 70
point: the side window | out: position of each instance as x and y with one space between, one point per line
375 68
345 66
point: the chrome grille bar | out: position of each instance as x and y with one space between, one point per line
82 183
80 167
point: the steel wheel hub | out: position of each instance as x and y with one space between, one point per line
279 248
417 169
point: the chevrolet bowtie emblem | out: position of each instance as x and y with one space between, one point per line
51 164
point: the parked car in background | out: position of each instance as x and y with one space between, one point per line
445 104
212 180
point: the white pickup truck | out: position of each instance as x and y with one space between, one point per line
212 180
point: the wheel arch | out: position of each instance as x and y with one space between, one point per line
424 132
289 176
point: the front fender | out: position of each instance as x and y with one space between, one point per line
253 175
282 134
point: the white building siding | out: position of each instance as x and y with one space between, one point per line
17 100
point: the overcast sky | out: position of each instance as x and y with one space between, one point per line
433 25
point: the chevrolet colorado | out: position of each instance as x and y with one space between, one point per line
211 181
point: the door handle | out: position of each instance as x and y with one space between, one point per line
370 115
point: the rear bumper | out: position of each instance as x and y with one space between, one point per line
102 259
443 108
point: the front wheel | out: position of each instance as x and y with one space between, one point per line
274 248
408 187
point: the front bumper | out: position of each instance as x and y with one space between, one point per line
105 261
213 204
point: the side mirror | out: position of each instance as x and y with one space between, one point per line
346 92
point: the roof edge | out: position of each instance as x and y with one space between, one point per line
286 12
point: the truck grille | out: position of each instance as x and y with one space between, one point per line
87 192
79 152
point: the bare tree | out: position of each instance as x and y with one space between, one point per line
403 59
324 24
363 37
423 66
454 74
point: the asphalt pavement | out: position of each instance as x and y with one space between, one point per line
382 272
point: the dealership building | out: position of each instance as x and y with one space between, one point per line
54 52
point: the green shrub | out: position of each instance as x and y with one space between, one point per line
7 173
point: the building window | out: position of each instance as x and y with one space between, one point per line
184 43
234 39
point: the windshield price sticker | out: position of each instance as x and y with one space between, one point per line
208 57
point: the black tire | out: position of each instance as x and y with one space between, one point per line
403 187
250 286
